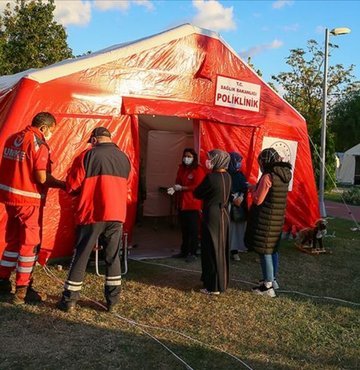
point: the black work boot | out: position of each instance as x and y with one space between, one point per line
27 294
66 306
33 296
19 296
5 287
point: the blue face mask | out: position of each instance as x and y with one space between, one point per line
238 165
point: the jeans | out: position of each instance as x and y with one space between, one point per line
269 266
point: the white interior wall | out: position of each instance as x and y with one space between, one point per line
162 141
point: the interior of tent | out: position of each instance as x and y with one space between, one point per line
162 142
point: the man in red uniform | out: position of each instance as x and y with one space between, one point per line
25 175
98 176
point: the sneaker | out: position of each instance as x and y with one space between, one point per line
235 257
66 306
263 290
5 286
205 291
275 284
190 258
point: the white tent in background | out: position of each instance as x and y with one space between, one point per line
349 172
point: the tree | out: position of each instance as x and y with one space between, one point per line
345 121
30 38
303 87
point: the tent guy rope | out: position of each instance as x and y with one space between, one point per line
51 275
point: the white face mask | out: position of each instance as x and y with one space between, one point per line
208 164
49 133
48 136
188 160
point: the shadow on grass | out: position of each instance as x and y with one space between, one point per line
50 339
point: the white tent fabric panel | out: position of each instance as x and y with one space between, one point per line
347 169
164 151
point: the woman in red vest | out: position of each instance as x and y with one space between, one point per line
189 176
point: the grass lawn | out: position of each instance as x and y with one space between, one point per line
299 329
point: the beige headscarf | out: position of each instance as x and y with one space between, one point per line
219 159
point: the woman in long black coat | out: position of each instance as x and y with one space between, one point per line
214 190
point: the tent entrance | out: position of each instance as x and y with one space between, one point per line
357 170
162 141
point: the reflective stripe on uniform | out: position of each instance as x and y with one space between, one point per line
27 259
24 269
8 263
113 277
74 286
21 192
10 254
113 281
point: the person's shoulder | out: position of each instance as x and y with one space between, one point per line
200 168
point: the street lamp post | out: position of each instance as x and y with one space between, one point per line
335 32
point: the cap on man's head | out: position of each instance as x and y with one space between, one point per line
99 131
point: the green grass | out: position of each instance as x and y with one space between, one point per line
292 331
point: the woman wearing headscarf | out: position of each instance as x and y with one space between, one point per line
189 176
215 192
266 216
238 206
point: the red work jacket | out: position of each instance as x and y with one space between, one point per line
24 153
98 176
191 178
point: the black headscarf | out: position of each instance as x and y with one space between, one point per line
235 158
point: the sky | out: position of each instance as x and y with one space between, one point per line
264 30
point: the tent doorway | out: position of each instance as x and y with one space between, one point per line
162 141
357 170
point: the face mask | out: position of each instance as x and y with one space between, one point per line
188 160
208 164
48 136
238 165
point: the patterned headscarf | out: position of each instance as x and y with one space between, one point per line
219 159
269 156
235 158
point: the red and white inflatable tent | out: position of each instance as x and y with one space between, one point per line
157 95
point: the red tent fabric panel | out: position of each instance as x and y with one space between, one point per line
69 140
178 77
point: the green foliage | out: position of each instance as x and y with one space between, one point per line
30 38
330 179
304 89
345 120
352 196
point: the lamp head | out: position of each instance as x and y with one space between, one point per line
340 31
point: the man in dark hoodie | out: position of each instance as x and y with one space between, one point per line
266 217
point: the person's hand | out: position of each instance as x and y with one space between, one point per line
171 191
177 187
237 201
